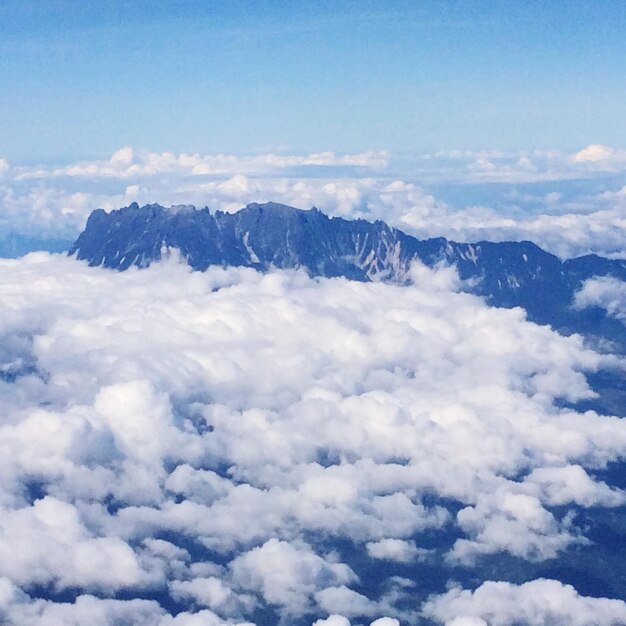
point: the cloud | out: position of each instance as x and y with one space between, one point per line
572 232
511 522
333 620
605 292
238 442
593 153
534 603
525 166
287 575
395 550
561 485
345 601
126 163
123 157
16 607
340 620
213 593
56 548
56 201
601 158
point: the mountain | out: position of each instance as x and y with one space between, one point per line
269 235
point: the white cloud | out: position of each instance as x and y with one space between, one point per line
467 621
16 607
191 434
333 620
345 601
395 550
340 620
139 419
123 157
288 575
604 156
593 152
525 167
213 593
562 485
56 201
534 603
55 548
605 292
511 522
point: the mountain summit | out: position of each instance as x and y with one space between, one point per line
270 235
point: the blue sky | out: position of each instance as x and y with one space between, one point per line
82 79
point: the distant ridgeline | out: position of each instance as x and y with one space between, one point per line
15 245
270 235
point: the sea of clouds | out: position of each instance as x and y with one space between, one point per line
230 447
569 203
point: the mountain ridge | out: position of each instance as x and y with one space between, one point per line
272 235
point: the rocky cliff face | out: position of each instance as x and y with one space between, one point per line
270 235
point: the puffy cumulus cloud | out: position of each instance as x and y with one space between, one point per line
287 575
534 603
212 592
515 523
247 444
201 618
593 152
575 233
525 166
605 292
341 620
49 201
350 603
561 485
346 601
333 620
395 550
467 621
17 607
56 548
123 157
600 157
55 211
571 232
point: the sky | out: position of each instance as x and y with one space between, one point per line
83 79
470 119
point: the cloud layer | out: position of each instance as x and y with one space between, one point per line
220 447
523 194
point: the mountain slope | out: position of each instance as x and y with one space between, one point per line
269 235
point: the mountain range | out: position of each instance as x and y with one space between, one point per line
271 235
